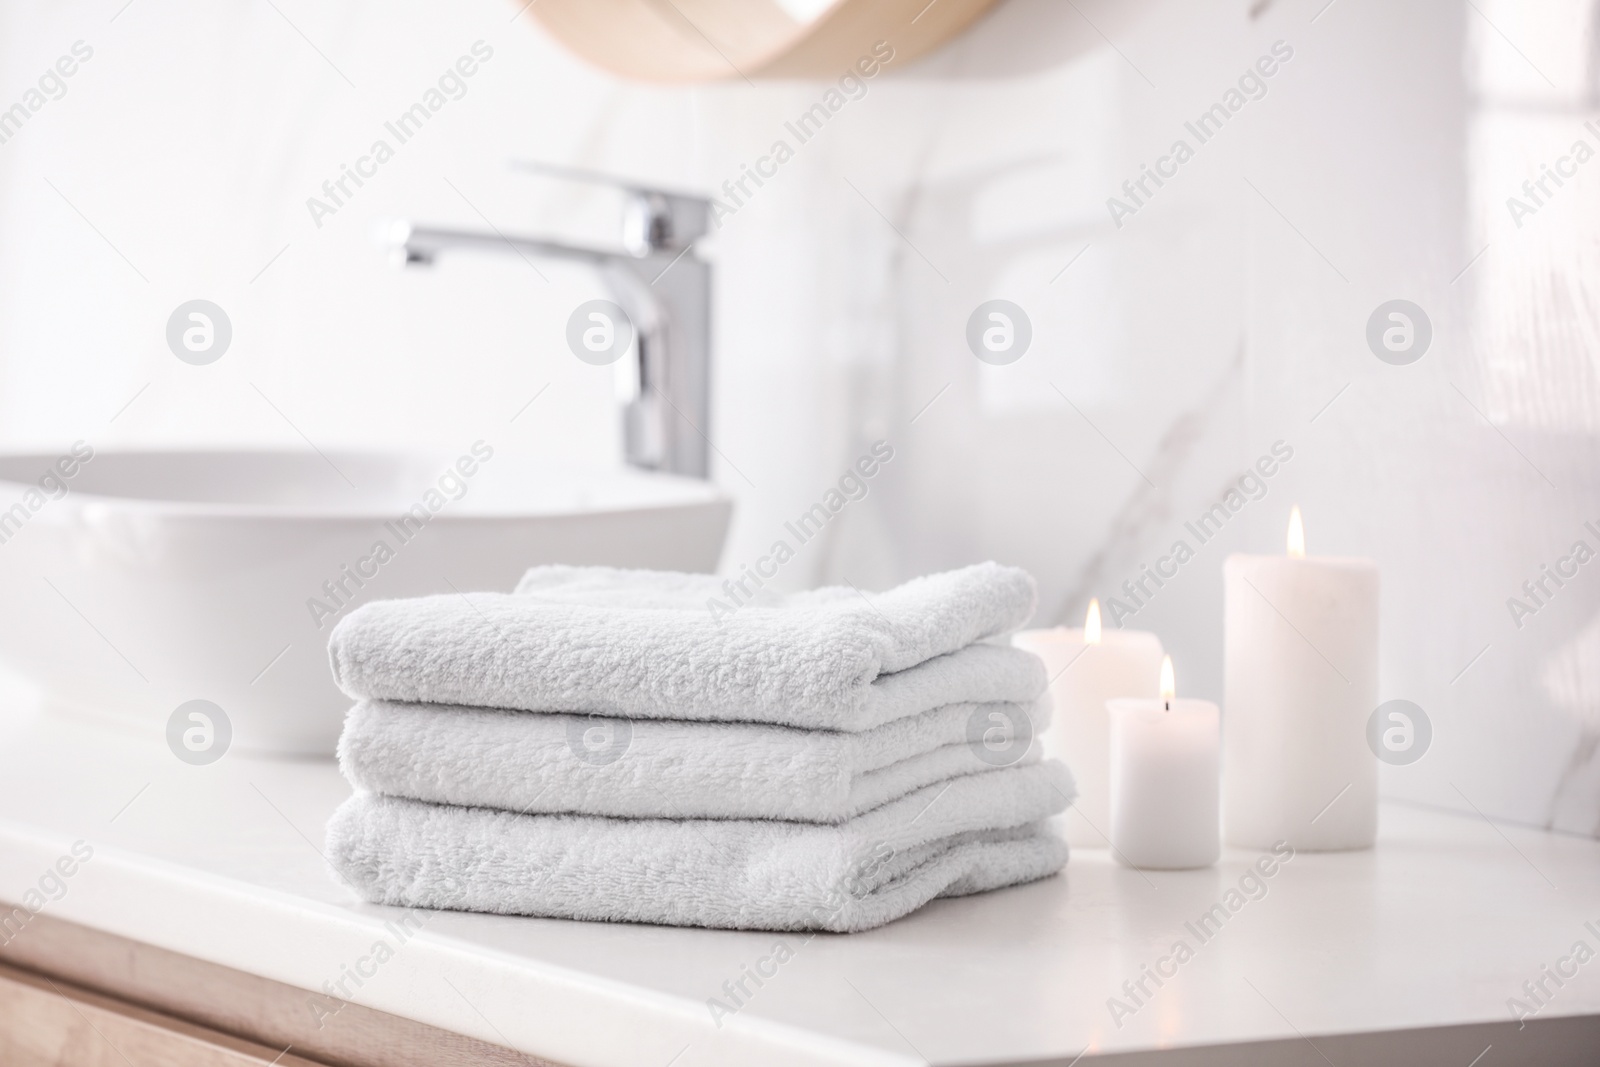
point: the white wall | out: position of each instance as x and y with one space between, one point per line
1170 354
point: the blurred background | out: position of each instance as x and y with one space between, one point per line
1172 346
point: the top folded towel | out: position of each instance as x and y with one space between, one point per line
645 644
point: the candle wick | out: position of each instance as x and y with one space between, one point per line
1169 705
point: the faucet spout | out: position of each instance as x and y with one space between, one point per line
416 244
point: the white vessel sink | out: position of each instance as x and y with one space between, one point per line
165 577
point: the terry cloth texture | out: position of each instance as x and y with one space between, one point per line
570 640
649 768
966 835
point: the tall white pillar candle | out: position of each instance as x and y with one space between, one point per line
1301 674
1088 667
1165 780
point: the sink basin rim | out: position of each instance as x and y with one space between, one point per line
625 489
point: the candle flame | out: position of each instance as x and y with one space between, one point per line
1169 687
1297 534
1091 623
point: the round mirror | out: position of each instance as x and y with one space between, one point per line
710 40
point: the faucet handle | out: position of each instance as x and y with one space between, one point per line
654 220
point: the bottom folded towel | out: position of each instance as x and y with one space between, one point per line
970 834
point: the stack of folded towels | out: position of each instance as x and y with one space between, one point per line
598 745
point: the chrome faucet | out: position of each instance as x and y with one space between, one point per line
664 288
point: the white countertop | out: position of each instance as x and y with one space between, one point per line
1438 925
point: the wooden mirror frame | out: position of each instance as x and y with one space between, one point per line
713 40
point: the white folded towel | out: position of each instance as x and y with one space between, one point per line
551 763
965 836
570 640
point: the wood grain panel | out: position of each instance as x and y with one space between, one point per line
232 1002
45 1023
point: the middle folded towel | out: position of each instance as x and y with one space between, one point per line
541 763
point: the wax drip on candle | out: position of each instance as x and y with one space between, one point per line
1091 623
1297 534
1169 687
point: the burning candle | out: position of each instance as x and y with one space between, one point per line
1301 674
1165 780
1088 667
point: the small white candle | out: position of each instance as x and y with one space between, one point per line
1088 667
1301 673
1165 784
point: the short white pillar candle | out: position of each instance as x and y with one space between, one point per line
1301 677
1165 780
1088 667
